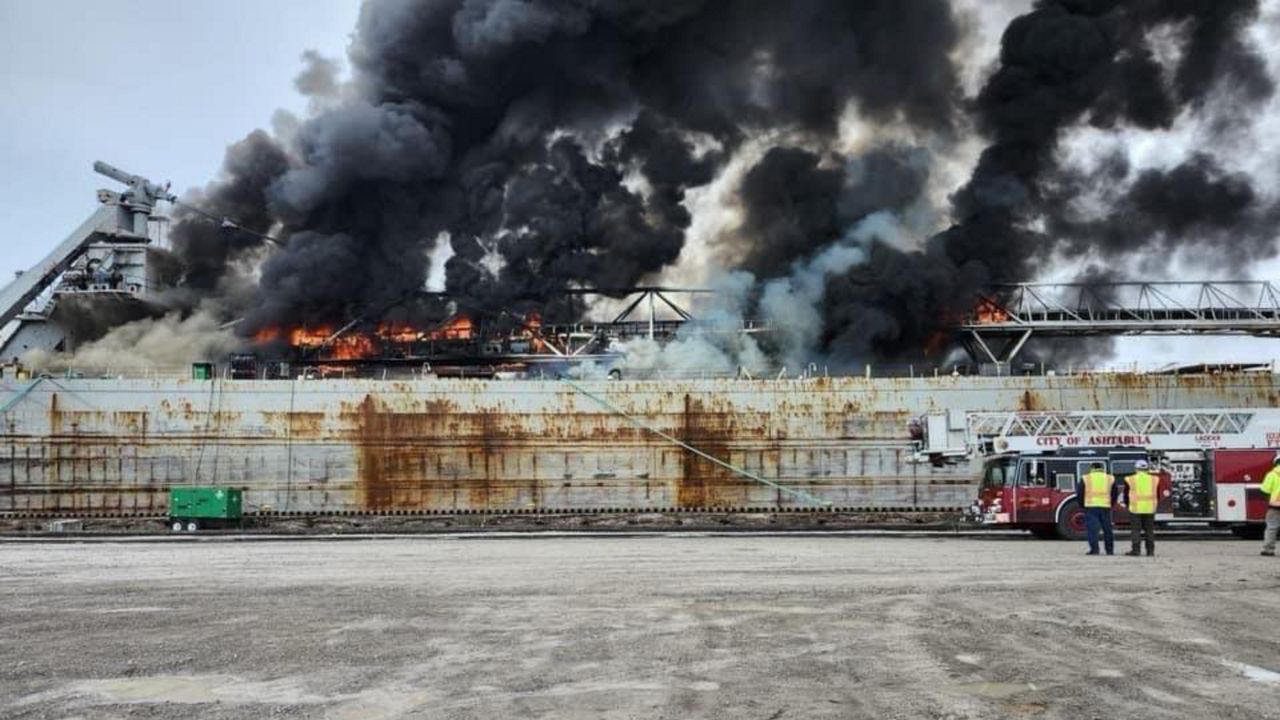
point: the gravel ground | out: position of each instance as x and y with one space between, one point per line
662 626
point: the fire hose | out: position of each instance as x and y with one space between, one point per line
686 446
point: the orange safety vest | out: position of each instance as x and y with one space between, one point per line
1143 487
1097 489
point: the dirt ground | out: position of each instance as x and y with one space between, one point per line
659 626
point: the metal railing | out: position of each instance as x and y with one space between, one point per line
1014 313
1107 422
1135 307
886 371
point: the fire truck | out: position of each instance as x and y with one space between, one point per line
1210 464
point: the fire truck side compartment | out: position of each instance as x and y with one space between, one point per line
1236 475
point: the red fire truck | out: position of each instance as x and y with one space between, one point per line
1210 463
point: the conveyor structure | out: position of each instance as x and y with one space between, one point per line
1003 321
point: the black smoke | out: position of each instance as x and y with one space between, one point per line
796 202
1196 207
250 169
1067 64
554 144
1086 61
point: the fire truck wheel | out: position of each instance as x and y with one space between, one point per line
1071 522
1248 532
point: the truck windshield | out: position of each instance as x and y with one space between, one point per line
999 472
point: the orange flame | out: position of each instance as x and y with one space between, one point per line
349 346
399 332
353 347
532 330
309 337
459 327
267 335
988 312
356 344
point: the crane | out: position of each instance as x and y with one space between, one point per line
122 216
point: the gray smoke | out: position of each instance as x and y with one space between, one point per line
1195 206
1066 64
557 144
553 143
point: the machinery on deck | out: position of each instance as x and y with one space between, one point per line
107 260
1210 462
330 431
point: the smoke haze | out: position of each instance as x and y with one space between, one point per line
558 144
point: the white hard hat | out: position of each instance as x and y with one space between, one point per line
1277 457
1141 465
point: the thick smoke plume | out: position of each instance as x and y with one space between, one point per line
550 144
557 144
170 343
1068 62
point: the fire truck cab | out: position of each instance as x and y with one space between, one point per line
1210 464
1037 492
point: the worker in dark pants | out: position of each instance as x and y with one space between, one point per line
1141 495
1099 491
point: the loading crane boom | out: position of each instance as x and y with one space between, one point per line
122 216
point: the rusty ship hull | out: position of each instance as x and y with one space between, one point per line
116 446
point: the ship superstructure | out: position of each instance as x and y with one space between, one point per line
345 425
107 266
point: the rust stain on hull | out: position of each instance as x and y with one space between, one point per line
474 446
703 483
433 458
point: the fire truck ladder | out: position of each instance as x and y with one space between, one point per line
1166 429
1002 322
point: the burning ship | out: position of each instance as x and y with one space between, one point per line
540 160
356 422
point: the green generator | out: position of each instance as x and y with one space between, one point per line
193 508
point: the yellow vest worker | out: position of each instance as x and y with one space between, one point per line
1097 489
1143 487
1271 488
1144 496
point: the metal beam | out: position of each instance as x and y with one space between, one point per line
977 339
1152 308
1011 351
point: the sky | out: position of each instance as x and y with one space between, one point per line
157 89
162 88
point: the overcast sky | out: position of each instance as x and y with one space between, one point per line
155 88
161 88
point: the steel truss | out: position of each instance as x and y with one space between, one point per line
638 319
1002 322
985 425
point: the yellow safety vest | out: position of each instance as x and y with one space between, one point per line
1143 487
1271 487
1097 489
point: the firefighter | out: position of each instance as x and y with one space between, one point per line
1141 493
1099 492
1271 488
